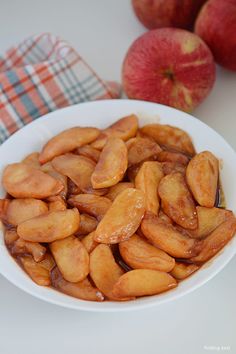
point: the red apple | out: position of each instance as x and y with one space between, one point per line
169 66
216 24
167 13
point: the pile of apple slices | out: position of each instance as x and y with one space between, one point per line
114 214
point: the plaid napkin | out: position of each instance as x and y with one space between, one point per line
42 74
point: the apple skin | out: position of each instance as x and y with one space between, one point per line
167 13
169 66
216 25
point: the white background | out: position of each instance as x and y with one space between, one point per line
102 31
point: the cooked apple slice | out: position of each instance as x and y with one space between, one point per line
89 151
139 254
183 270
104 271
82 290
91 204
51 226
35 249
169 167
176 157
23 181
37 272
71 258
209 219
10 236
48 262
67 141
4 204
202 177
87 224
147 180
170 136
142 282
72 188
48 168
117 189
56 203
32 160
123 218
20 210
78 168
168 239
89 243
132 172
111 165
216 240
164 218
124 128
141 149
176 200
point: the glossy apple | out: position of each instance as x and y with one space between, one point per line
169 66
167 13
216 24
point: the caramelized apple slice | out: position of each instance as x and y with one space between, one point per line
34 248
72 188
48 168
170 136
32 160
89 243
23 181
141 149
89 151
139 254
208 220
169 167
142 282
48 262
125 128
71 258
37 272
216 240
111 165
51 226
202 177
104 271
177 201
67 141
78 168
176 157
147 180
56 203
168 239
183 270
114 191
20 210
10 236
91 204
82 290
87 224
164 218
4 204
132 172
123 217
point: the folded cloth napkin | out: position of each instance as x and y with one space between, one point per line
42 74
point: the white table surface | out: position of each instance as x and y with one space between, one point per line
203 321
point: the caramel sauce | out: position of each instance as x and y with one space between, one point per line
220 201
118 258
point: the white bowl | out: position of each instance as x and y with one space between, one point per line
101 114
